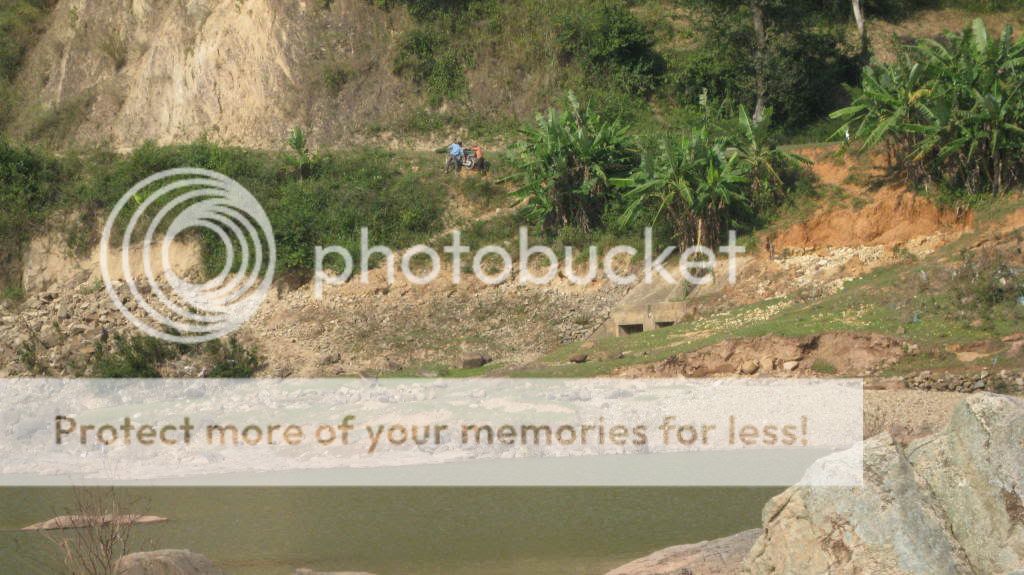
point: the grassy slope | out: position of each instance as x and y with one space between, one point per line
890 300
402 197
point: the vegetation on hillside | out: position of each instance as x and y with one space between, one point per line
565 163
310 200
949 113
577 169
142 357
672 126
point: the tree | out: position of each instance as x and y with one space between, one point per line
760 57
789 55
862 30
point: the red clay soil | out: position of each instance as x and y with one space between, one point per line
892 215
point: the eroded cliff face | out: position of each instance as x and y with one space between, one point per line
121 72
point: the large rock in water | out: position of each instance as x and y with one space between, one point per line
717 557
166 562
945 504
81 521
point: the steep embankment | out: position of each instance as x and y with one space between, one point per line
863 209
121 72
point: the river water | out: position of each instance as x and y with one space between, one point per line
407 531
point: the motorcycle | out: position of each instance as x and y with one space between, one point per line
467 160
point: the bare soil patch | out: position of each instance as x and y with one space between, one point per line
889 216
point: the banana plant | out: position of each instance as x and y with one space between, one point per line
762 161
565 164
948 112
692 181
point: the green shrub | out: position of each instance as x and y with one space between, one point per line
417 54
692 182
141 356
324 203
135 356
985 280
565 165
334 76
947 113
30 183
426 56
231 360
613 46
722 173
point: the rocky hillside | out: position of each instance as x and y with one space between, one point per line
244 72
121 72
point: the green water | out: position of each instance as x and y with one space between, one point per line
408 531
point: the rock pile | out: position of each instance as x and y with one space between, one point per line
57 331
1003 381
839 354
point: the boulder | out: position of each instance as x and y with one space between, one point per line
166 562
749 367
944 504
717 557
578 358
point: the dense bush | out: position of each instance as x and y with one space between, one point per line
693 182
136 356
949 113
230 359
806 58
142 357
432 53
425 9
324 204
565 163
580 171
30 183
721 174
612 45
428 58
